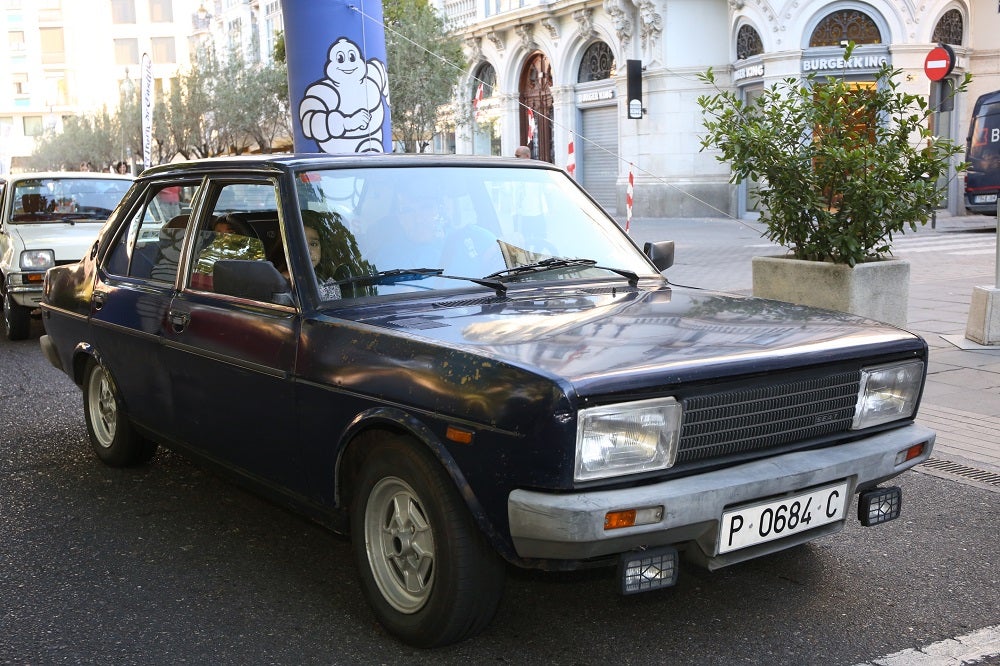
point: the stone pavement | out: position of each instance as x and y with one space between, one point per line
962 396
961 400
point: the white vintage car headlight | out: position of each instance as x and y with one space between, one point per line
888 393
36 260
626 438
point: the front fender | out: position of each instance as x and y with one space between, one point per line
400 421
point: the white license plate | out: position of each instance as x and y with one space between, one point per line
986 198
760 523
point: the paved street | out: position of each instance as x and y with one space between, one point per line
171 564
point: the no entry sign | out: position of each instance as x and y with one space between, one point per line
939 62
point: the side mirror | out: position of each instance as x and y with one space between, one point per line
661 253
256 280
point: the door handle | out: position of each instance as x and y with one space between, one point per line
179 320
98 299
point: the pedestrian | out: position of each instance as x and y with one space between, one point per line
523 152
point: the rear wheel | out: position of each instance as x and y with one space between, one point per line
428 572
111 435
16 319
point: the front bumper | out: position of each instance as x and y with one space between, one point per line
23 293
571 526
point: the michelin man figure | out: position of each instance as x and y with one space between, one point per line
343 112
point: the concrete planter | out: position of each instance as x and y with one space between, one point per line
879 289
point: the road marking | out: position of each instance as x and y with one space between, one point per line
966 650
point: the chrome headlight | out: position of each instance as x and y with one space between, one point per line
626 438
888 393
37 260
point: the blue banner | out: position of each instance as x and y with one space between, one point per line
337 80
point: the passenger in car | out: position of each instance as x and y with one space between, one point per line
334 253
233 223
414 237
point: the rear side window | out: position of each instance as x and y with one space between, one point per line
242 228
150 246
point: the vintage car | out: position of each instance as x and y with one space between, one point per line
46 220
465 363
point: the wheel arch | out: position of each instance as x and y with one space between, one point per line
83 353
395 421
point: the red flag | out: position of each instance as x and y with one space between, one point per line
476 100
571 160
531 125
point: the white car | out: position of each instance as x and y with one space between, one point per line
46 220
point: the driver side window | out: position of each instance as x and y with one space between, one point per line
238 248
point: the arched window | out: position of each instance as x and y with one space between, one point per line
843 26
748 43
950 29
536 107
598 63
488 77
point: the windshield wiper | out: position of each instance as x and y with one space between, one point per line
394 276
397 275
553 263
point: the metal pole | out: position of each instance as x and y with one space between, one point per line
996 281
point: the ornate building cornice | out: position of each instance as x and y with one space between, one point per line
526 33
474 46
551 25
585 19
496 39
620 12
650 29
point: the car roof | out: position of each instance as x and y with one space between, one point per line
35 175
296 161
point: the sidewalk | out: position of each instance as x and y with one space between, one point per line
962 395
961 399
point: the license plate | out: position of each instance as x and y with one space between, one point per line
986 198
767 521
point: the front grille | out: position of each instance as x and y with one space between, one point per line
762 417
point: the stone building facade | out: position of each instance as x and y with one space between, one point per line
550 73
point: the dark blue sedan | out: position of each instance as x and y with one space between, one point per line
466 364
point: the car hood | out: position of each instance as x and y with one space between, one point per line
69 241
610 339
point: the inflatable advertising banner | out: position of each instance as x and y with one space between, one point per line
337 81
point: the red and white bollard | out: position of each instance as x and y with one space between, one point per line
628 198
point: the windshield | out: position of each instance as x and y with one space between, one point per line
470 222
64 199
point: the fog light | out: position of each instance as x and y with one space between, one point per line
879 505
645 570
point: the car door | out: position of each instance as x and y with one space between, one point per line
134 288
231 353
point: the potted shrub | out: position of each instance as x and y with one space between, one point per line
841 167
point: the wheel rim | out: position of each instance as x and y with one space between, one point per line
400 545
102 407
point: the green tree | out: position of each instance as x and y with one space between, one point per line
841 168
90 138
424 63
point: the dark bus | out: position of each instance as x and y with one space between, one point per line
982 180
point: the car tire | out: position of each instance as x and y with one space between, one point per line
112 436
427 570
16 319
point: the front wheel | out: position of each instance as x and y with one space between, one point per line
16 319
111 435
427 571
